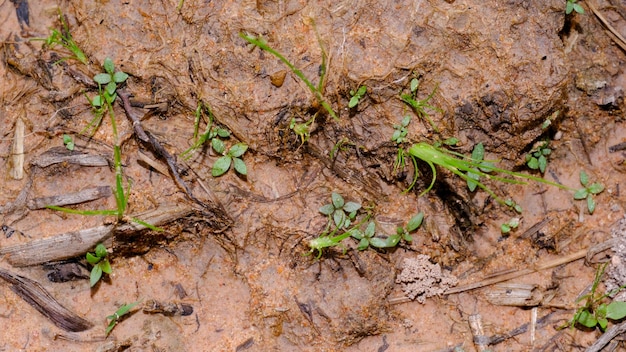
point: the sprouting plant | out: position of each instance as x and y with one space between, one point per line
68 141
357 96
340 212
588 191
595 312
100 264
302 130
228 158
108 82
316 90
105 100
366 238
210 132
117 316
459 163
478 155
64 38
401 130
510 225
511 204
538 157
572 5
420 106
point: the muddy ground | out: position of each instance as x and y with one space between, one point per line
235 249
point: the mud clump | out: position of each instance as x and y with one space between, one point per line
421 279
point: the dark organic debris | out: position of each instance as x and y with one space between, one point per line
35 295
167 308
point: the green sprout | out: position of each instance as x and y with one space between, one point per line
511 204
339 212
116 317
100 264
459 163
316 90
210 132
573 6
366 238
64 38
538 157
473 177
357 96
302 130
595 312
228 158
420 106
510 225
588 191
68 141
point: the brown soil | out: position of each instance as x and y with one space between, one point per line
500 69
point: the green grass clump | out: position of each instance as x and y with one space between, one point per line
420 106
64 38
116 317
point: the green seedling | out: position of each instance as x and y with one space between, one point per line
366 238
316 90
210 132
420 106
507 227
357 96
100 264
588 191
68 141
116 317
538 157
595 312
400 137
339 212
302 130
64 38
473 177
459 163
572 5
228 158
511 204
104 101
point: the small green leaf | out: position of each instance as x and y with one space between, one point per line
96 274
595 188
578 8
97 101
351 207
451 141
222 132
390 242
396 135
362 90
603 323
356 233
363 244
218 145
105 265
120 77
370 230
108 65
478 153
616 310
542 163
240 166
406 121
415 222
378 242
471 180
237 150
354 101
221 166
587 319
337 200
581 194
414 84
591 204
584 178
110 88
327 209
68 142
102 78
407 237
101 250
546 124
339 217
92 259
505 228
533 163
